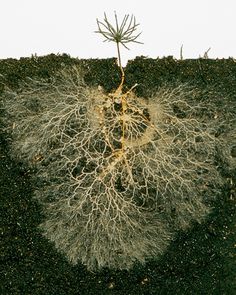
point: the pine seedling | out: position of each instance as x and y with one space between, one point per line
120 34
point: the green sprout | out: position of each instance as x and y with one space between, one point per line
120 34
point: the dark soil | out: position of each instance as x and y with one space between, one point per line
200 261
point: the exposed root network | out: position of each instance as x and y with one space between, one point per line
121 174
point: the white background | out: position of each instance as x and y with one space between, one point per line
67 26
